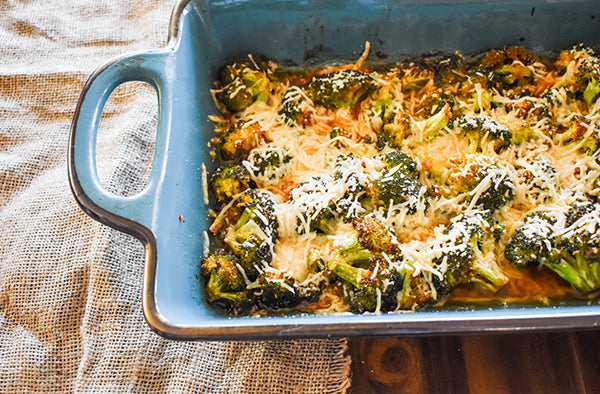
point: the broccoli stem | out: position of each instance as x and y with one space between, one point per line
354 253
348 273
578 271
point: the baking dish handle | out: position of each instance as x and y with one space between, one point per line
126 213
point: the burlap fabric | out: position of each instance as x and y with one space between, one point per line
70 288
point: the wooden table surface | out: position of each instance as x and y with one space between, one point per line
551 362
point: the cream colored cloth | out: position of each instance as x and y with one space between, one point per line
70 288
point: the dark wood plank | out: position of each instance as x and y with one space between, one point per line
406 365
561 362
586 346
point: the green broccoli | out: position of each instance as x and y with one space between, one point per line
338 134
242 83
228 181
341 89
293 110
483 131
397 183
584 78
396 127
240 139
436 123
470 237
541 178
226 285
269 164
566 243
315 203
375 235
432 103
349 178
279 291
371 289
583 135
254 233
483 180
511 65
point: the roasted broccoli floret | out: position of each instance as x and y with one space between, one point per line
375 235
269 164
541 178
529 109
533 241
397 125
315 203
432 103
583 135
567 244
225 284
230 180
484 181
294 109
580 246
341 89
351 180
511 65
240 139
252 236
279 291
370 289
580 67
242 83
470 240
397 183
483 132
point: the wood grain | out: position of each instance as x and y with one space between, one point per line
559 362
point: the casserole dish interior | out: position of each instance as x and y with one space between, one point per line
169 215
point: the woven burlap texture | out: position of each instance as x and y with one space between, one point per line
70 288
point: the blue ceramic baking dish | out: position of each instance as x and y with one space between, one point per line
205 35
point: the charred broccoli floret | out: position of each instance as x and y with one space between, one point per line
269 164
277 291
484 181
294 110
229 181
511 65
483 132
242 83
341 89
225 284
252 236
470 240
375 235
566 243
583 135
397 125
580 68
240 139
280 291
370 289
397 183
432 103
